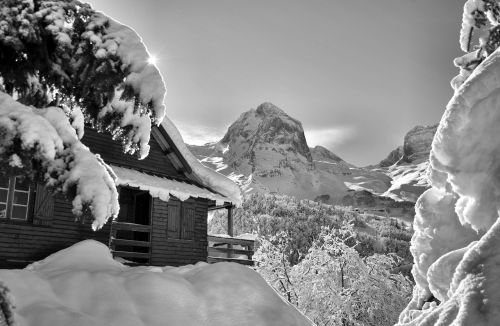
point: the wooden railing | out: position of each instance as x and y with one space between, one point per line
228 249
131 252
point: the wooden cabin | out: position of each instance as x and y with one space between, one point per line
150 228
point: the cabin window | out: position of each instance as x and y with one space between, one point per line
14 198
181 217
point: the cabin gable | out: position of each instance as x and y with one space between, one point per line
157 162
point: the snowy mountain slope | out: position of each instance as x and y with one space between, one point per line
265 150
408 171
354 178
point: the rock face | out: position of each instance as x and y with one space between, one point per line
268 124
265 150
417 144
393 157
319 153
415 149
407 165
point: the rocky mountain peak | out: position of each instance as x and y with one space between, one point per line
321 153
268 108
418 142
416 147
267 126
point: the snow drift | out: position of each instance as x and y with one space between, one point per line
456 244
83 286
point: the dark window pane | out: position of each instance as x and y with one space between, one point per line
4 182
19 212
3 195
3 208
20 198
22 184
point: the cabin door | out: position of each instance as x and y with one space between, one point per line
131 232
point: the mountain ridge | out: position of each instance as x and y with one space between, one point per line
265 150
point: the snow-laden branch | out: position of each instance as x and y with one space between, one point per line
63 64
46 138
64 52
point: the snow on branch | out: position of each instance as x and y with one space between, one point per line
64 65
481 18
44 138
64 52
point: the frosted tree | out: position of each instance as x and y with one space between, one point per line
6 306
480 22
333 284
456 244
273 264
62 64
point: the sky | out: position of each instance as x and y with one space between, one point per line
358 74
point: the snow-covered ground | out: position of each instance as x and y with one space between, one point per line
83 286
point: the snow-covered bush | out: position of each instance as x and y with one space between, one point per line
302 220
63 64
333 284
6 306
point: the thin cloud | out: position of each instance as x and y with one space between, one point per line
330 138
198 134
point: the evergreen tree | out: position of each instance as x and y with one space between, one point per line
63 64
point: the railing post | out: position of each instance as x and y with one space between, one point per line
230 231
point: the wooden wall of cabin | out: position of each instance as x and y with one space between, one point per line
112 153
24 241
176 252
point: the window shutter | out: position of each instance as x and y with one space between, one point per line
44 206
188 222
174 218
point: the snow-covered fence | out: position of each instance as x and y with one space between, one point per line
230 249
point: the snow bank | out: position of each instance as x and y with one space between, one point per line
83 286
456 244
209 177
162 187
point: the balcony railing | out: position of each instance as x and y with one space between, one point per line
229 249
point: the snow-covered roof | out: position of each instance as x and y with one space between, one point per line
208 177
163 188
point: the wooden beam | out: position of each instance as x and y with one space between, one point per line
226 205
162 136
223 240
133 243
230 231
125 254
212 260
130 227
218 250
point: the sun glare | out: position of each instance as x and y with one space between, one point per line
152 60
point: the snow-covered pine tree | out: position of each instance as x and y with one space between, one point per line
63 64
480 21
